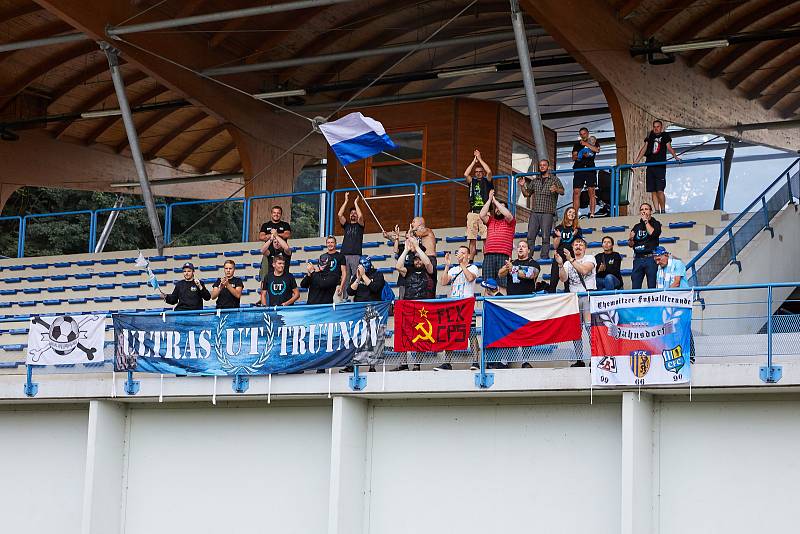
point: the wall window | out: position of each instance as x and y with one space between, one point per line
387 170
522 160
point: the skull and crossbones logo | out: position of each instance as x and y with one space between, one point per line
63 336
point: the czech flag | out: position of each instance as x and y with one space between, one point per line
355 137
531 321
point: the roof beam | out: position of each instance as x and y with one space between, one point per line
145 125
764 56
663 16
198 143
177 131
218 156
109 122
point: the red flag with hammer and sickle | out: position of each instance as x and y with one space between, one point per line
432 325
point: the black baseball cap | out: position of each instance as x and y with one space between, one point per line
188 265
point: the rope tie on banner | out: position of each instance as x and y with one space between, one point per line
161 388
113 383
330 374
214 395
383 386
269 388
163 317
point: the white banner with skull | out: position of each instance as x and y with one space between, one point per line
66 339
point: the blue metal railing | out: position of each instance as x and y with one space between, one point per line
20 239
96 217
328 225
782 194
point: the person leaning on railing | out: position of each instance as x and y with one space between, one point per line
544 189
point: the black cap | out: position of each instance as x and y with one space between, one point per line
188 265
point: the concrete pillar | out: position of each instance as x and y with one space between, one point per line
348 465
105 464
637 463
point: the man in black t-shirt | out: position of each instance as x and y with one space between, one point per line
227 291
275 234
643 240
353 226
609 277
419 276
655 148
321 282
479 186
337 264
189 293
279 287
583 153
521 274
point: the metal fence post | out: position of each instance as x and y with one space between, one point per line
168 224
23 225
770 373
722 185
246 220
733 250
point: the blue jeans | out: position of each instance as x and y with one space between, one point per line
644 267
608 282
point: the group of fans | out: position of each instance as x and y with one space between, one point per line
348 274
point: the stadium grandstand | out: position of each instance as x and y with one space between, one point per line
316 257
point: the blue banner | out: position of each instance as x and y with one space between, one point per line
251 341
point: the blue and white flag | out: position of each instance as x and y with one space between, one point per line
355 137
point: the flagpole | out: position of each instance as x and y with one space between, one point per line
362 196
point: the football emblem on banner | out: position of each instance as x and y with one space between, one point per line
65 339
640 363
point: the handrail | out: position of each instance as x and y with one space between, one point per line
20 239
324 193
332 199
96 213
170 207
610 168
728 229
24 225
511 204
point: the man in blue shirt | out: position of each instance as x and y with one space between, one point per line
671 271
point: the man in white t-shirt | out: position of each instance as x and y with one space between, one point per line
578 270
462 276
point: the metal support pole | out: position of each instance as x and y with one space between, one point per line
31 387
766 216
112 218
131 385
770 373
357 382
540 145
136 153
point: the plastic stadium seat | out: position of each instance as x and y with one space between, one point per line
17 267
666 240
5 304
587 230
129 260
158 258
52 302
131 273
108 274
85 263
153 297
27 303
293 262
183 257
36 279
255 252
612 229
313 248
15 280
371 244
681 224
207 268
208 255
62 264
103 299
379 257
129 298
233 253
83 276
55 289
13 347
622 243
40 265
456 239
32 290
540 261
626 272
295 249
76 301
8 292
59 277
160 270
131 285
106 286
109 261
208 281
594 244
18 331
298 275
385 269
80 288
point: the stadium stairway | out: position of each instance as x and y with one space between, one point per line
111 282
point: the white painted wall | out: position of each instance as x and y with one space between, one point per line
228 469
537 466
43 455
728 466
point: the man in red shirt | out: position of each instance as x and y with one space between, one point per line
501 226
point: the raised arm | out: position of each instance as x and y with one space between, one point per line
359 213
640 155
484 213
342 218
487 171
401 261
502 209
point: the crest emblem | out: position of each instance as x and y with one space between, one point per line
607 364
243 367
640 363
674 360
